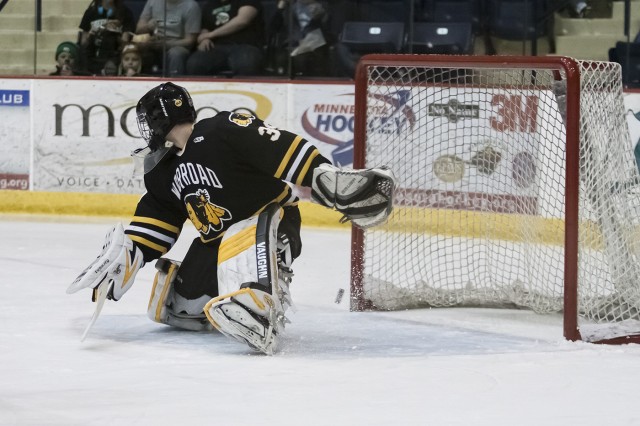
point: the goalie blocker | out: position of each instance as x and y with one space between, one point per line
365 197
116 266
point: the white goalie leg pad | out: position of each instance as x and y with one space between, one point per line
167 307
364 196
253 296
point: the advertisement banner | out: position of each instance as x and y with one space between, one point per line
447 162
83 133
86 129
15 133
324 115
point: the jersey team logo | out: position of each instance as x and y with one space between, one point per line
205 215
241 119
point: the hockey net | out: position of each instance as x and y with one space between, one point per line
517 187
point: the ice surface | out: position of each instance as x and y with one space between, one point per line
420 367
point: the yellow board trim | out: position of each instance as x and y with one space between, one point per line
491 226
68 203
287 157
74 206
68 206
237 244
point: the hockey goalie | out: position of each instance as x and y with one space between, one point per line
230 175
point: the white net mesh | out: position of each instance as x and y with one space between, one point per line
479 218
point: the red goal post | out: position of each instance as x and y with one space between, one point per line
517 187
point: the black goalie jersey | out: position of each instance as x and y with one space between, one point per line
231 168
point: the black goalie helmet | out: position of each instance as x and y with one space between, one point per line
162 108
157 112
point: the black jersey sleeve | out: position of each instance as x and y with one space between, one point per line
277 152
154 228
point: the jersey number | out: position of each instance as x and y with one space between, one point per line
269 130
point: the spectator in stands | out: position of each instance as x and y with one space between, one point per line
110 69
232 39
66 56
167 43
575 8
130 61
305 41
106 25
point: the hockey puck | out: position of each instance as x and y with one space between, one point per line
339 296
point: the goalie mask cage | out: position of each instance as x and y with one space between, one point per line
516 188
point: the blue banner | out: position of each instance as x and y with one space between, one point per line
14 98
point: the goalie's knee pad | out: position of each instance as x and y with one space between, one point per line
364 196
253 281
168 307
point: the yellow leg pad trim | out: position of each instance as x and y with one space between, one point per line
255 298
153 290
237 244
165 290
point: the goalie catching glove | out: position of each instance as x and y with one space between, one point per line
365 196
117 265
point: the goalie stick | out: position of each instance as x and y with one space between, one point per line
100 294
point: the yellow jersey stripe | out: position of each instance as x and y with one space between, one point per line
157 223
287 157
284 194
307 164
145 242
237 244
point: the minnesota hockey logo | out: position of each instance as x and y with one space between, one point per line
241 119
205 215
